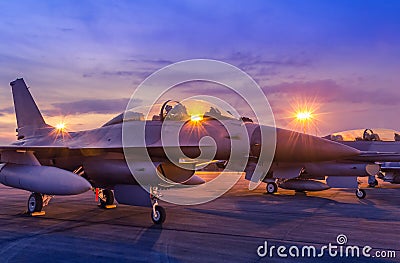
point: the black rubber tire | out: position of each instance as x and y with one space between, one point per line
35 203
361 194
271 188
109 198
160 216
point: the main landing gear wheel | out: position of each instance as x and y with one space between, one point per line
35 203
108 198
158 215
361 194
272 188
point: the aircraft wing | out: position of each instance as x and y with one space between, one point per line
31 148
389 168
50 151
377 157
47 151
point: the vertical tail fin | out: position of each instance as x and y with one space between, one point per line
29 118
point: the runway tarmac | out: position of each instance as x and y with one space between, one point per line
229 229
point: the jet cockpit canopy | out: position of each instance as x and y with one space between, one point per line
188 110
366 135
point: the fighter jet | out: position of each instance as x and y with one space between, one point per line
49 161
379 152
381 147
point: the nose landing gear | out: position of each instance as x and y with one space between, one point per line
158 214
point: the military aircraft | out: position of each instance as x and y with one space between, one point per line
48 161
381 146
377 149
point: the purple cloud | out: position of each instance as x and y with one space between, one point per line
118 73
8 110
249 60
329 90
89 106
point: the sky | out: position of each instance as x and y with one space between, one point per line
83 59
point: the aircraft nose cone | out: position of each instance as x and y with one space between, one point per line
292 146
298 147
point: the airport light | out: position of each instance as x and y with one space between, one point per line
60 126
60 130
196 118
304 116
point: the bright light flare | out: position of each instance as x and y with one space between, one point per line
60 126
60 131
196 118
304 116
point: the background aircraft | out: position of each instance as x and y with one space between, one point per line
381 146
49 161
377 149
